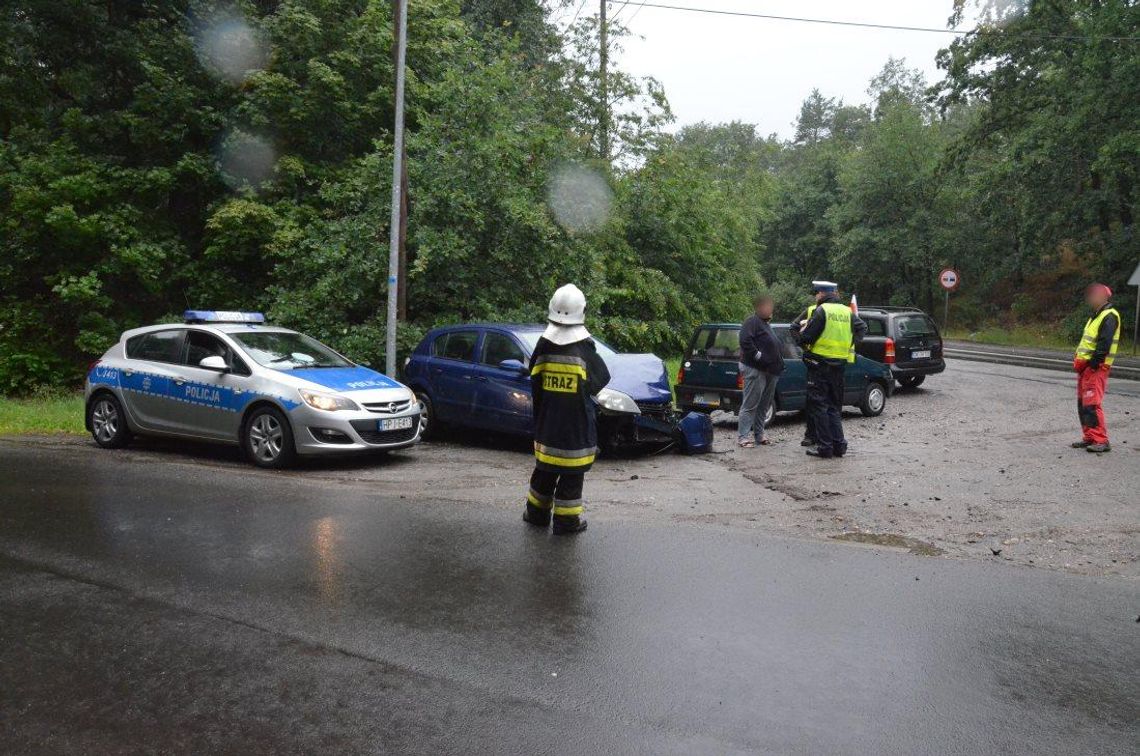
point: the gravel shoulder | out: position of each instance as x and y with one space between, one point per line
975 462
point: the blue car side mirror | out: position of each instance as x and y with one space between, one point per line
514 366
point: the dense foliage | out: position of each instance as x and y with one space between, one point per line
155 155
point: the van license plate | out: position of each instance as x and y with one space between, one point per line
706 400
920 354
394 423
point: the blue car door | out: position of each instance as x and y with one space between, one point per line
453 375
503 400
792 387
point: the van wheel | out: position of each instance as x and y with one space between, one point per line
267 439
911 381
874 400
108 422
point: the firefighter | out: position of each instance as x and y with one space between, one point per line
566 373
828 338
1093 361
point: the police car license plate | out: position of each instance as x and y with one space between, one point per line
920 354
706 400
394 423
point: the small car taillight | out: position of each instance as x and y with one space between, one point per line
890 355
681 374
740 380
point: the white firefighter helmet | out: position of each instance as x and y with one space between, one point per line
566 316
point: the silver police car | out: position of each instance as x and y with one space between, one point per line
229 377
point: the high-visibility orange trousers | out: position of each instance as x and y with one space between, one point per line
1091 385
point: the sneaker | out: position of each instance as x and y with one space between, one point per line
1081 444
1099 448
821 453
746 443
808 442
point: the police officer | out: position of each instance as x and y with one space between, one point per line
566 373
1093 360
828 339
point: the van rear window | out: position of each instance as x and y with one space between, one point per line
717 343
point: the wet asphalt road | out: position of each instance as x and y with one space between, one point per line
182 608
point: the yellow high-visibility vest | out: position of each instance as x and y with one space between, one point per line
837 341
1087 345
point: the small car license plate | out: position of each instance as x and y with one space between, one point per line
920 354
706 400
394 423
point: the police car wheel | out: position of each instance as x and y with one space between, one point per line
268 439
107 421
874 400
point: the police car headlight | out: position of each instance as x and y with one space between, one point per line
327 402
616 401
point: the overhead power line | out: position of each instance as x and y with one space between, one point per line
869 25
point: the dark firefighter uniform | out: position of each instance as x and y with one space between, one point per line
1093 360
564 380
828 340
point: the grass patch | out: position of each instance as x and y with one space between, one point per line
55 413
672 365
1018 336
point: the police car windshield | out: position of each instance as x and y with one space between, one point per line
286 351
530 339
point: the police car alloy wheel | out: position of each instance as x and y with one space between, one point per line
268 439
874 400
107 422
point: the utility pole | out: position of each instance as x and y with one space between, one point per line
402 277
603 93
397 193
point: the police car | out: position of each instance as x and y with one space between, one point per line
230 378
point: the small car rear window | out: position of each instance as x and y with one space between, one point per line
157 346
717 343
916 325
457 345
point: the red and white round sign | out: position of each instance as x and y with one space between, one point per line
949 279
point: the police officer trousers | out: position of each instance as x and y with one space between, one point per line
825 405
557 491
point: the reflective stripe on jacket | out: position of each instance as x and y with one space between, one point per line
564 379
1086 348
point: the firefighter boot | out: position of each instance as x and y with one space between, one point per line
540 518
568 524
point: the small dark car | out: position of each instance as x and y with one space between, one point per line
475 376
710 376
904 338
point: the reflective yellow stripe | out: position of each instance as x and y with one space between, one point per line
567 511
1087 345
556 367
537 501
563 461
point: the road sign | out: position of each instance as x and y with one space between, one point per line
949 279
1135 281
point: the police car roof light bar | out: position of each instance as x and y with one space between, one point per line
222 316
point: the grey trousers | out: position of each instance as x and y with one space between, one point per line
759 390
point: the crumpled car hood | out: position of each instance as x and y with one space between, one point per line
642 376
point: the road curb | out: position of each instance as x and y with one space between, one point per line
983 353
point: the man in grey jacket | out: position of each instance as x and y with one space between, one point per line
761 362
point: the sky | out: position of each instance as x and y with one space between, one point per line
724 68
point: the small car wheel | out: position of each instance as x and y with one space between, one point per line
267 439
770 414
108 422
911 381
429 424
874 400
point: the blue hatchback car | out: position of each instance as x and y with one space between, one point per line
476 376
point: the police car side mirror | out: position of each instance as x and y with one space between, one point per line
214 362
515 366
